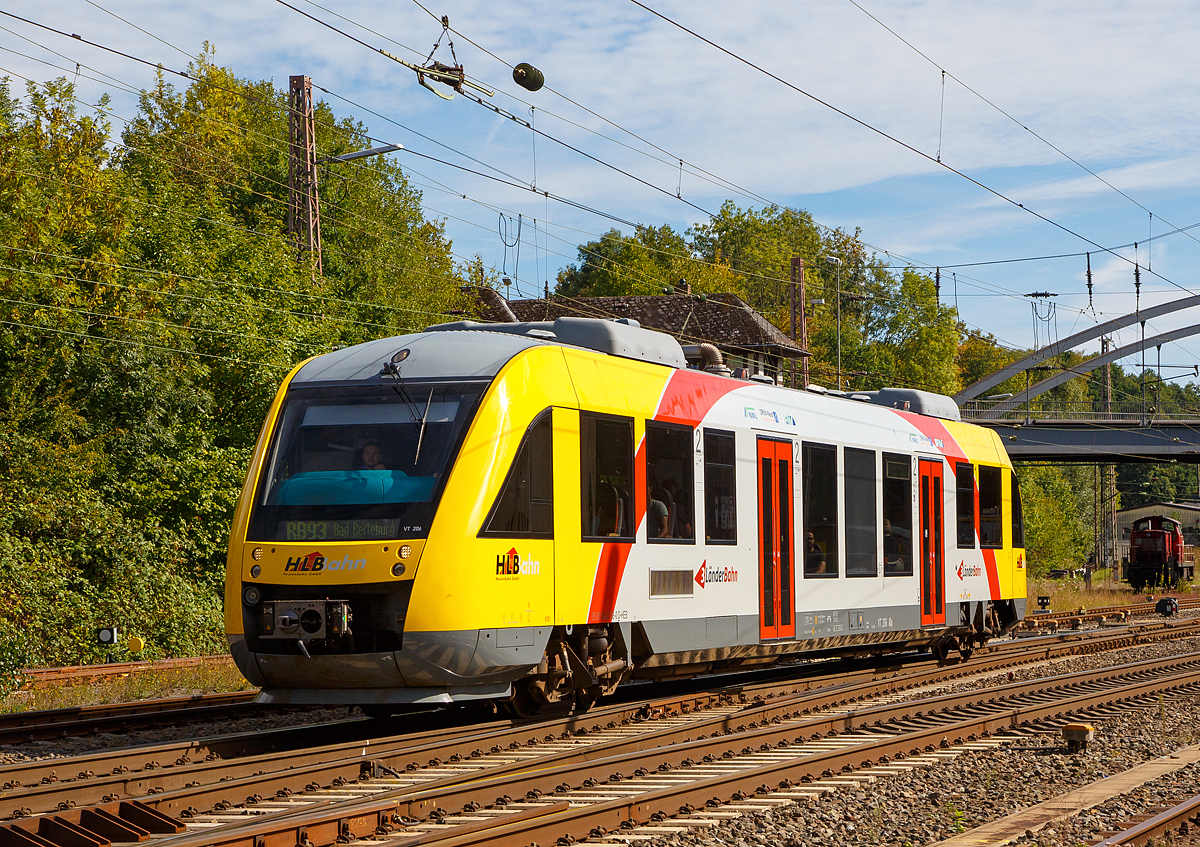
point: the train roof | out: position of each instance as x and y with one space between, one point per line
472 356
480 350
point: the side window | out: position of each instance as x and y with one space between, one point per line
720 505
861 532
897 515
606 474
669 488
1018 519
525 506
820 510
964 478
991 533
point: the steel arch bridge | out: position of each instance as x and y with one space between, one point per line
1087 431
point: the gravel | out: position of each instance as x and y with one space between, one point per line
932 803
60 747
916 808
929 804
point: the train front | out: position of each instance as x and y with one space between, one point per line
334 518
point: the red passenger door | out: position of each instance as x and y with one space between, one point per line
775 545
932 549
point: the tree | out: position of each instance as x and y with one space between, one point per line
152 304
1056 535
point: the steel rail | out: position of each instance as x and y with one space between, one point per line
16 727
36 787
1174 818
385 812
75 674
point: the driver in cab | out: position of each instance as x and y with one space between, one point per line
372 458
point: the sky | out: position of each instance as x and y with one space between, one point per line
1083 113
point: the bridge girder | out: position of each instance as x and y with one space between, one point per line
1051 350
1091 364
1089 441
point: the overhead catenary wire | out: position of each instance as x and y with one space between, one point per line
660 189
689 257
1019 123
895 140
692 258
581 206
253 192
147 344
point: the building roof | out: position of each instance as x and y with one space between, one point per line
721 319
1192 506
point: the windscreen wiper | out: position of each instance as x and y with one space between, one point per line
421 434
392 369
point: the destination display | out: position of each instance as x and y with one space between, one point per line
356 530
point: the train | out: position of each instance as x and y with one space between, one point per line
1157 555
534 513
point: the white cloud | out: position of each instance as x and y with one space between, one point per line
1113 85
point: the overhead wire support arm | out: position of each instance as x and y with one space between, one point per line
451 75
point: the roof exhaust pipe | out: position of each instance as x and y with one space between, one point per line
714 362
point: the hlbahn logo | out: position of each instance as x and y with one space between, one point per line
707 574
511 564
965 570
314 562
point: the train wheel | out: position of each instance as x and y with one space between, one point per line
522 704
585 698
941 651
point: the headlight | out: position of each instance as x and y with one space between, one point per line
398 569
255 570
404 552
251 595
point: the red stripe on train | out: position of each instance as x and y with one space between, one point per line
993 575
690 395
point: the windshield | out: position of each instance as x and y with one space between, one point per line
356 464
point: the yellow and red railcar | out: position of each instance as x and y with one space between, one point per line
535 512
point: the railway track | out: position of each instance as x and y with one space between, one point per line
80 674
1037 619
399 779
17 727
1182 818
336 750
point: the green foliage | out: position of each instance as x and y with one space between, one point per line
150 303
1057 534
893 330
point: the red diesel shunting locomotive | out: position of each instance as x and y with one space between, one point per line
1157 555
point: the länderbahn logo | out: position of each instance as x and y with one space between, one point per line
511 565
716 575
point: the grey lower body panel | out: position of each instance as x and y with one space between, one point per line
444 696
431 667
733 638
453 666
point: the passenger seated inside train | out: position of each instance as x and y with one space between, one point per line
814 556
897 549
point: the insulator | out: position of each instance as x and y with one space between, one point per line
528 77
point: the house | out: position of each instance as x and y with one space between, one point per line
747 341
